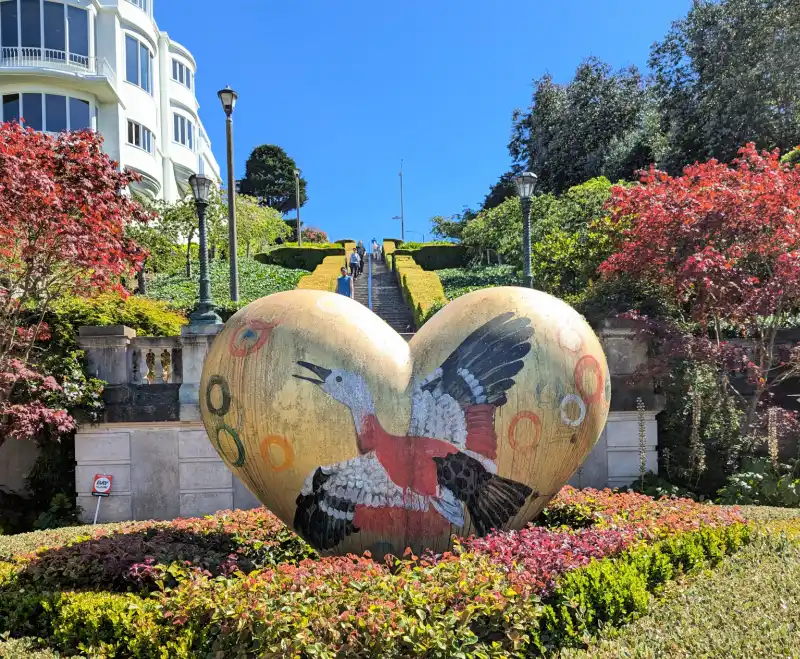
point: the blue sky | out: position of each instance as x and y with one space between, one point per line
349 88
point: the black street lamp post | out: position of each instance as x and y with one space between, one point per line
525 184
228 98
203 313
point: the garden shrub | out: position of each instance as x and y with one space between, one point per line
460 281
761 483
509 594
306 257
147 316
435 257
389 246
422 290
255 281
325 274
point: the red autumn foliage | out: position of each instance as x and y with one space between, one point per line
723 242
64 208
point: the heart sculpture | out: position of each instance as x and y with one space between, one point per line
361 441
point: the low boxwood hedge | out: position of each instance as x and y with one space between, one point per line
306 257
422 290
325 274
436 257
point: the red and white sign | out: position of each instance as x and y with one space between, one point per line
101 486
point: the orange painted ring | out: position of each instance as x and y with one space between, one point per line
584 363
250 337
285 446
512 429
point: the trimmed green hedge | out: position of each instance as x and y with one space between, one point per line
325 274
306 257
437 257
422 290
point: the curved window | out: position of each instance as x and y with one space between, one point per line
43 31
53 113
140 136
183 131
138 64
181 73
141 4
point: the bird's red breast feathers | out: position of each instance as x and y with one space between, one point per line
481 436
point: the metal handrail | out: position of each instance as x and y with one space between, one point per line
35 57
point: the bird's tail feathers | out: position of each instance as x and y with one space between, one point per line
498 500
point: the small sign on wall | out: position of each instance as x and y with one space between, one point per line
101 487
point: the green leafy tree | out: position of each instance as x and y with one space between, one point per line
500 191
578 131
269 177
726 75
257 226
177 222
452 226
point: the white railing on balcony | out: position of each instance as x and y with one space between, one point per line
47 58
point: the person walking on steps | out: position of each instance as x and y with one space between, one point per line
376 252
355 262
362 255
344 284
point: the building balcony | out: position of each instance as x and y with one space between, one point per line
90 74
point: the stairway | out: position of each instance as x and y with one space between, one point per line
387 298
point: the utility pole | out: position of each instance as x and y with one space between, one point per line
402 210
297 198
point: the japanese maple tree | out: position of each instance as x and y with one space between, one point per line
723 241
64 207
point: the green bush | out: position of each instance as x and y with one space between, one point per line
422 290
762 484
459 281
147 316
325 274
255 281
435 257
616 591
306 257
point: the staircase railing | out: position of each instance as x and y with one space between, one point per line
369 278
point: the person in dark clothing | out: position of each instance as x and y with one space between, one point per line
362 255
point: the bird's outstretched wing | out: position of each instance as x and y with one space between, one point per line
457 402
326 505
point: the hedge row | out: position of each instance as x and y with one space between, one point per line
461 605
437 257
325 274
422 290
306 257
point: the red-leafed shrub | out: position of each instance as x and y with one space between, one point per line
63 213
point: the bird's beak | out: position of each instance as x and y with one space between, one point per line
321 373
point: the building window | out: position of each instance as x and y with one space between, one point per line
141 4
181 73
65 29
201 166
183 130
51 112
140 136
138 64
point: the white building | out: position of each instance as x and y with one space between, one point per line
105 65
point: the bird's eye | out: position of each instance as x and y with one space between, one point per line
338 378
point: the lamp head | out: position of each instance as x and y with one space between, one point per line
228 98
526 182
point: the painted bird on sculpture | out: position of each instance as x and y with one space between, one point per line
445 463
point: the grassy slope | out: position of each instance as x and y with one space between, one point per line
749 606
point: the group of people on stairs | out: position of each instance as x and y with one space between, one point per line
345 283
